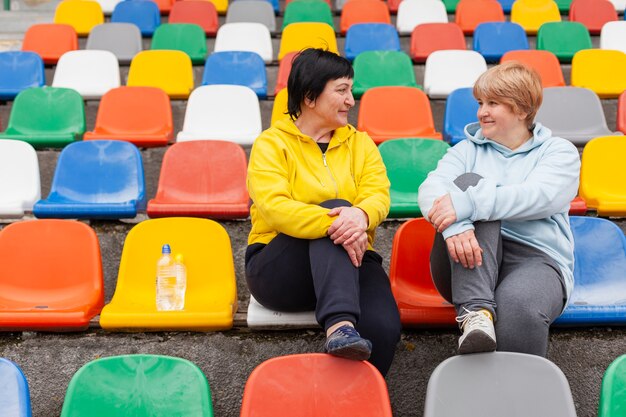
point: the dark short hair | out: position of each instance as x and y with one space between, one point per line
310 71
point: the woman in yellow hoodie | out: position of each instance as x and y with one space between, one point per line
319 190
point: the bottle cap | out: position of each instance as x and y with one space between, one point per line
166 249
179 258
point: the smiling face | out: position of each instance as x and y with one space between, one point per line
499 122
331 107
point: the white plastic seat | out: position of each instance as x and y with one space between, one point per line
448 70
613 36
20 185
619 5
245 36
108 5
222 112
415 12
90 72
261 318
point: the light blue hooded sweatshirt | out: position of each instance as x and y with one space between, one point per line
529 189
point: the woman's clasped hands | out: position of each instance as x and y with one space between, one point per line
349 230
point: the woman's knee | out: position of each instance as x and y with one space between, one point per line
336 202
469 179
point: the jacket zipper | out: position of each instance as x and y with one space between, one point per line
331 175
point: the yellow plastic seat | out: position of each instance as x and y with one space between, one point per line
280 106
530 14
171 71
298 36
220 5
211 296
602 175
82 15
600 70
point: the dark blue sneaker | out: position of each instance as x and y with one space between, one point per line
346 342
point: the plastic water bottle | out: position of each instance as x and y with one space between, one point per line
165 280
181 282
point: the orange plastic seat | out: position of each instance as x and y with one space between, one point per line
418 301
51 277
363 11
140 115
50 41
544 62
315 385
284 68
621 113
164 5
202 178
396 112
430 37
471 13
201 12
592 13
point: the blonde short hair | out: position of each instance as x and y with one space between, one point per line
513 84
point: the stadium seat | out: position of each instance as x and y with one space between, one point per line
600 70
529 384
393 5
19 71
96 179
19 178
363 11
211 296
563 5
299 36
284 68
82 15
51 277
221 6
50 41
531 14
577 207
199 12
186 37
573 113
279 108
621 113
300 11
415 12
222 112
145 14
108 5
592 13
600 259
451 5
408 162
382 68
544 62
122 39
492 40
251 37
446 71
170 71
14 396
202 178
253 11
471 13
90 73
430 37
46 117
619 5
461 109
363 37
613 36
507 5
140 115
138 385
340 3
612 393
396 112
237 68
563 39
315 384
262 318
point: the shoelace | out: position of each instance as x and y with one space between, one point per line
346 331
472 318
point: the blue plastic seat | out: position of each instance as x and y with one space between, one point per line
599 296
97 179
461 109
143 13
363 37
19 70
236 68
507 5
494 39
14 394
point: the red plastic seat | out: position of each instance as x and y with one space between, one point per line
202 179
544 62
51 276
50 41
201 12
140 115
363 11
393 5
578 207
284 68
430 37
164 5
418 300
471 13
592 13
621 113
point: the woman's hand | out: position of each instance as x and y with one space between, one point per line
464 248
357 249
442 213
349 230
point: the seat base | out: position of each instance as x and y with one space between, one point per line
261 318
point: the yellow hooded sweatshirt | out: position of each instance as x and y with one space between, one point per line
289 176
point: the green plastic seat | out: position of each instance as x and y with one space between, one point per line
613 391
451 5
46 117
138 386
308 11
563 5
186 37
382 68
408 162
563 39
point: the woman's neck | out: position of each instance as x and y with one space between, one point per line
516 138
310 128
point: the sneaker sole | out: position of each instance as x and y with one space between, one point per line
356 352
477 342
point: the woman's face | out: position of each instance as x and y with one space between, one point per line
332 106
498 121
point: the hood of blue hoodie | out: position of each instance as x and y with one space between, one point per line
541 133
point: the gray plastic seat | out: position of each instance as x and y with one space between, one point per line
123 39
253 11
498 384
573 113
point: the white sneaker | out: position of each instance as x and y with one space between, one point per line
478 332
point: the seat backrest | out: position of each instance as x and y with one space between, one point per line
544 62
20 185
170 71
494 39
19 70
140 385
381 68
445 71
279 109
310 383
245 36
621 113
199 12
14 395
92 73
600 70
531 14
613 36
50 40
82 15
461 109
299 11
186 37
612 393
122 39
108 5
563 39
362 37
471 13
253 11
363 11
284 68
430 37
298 36
415 12
592 13
145 14
236 68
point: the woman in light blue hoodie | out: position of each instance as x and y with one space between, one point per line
504 251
